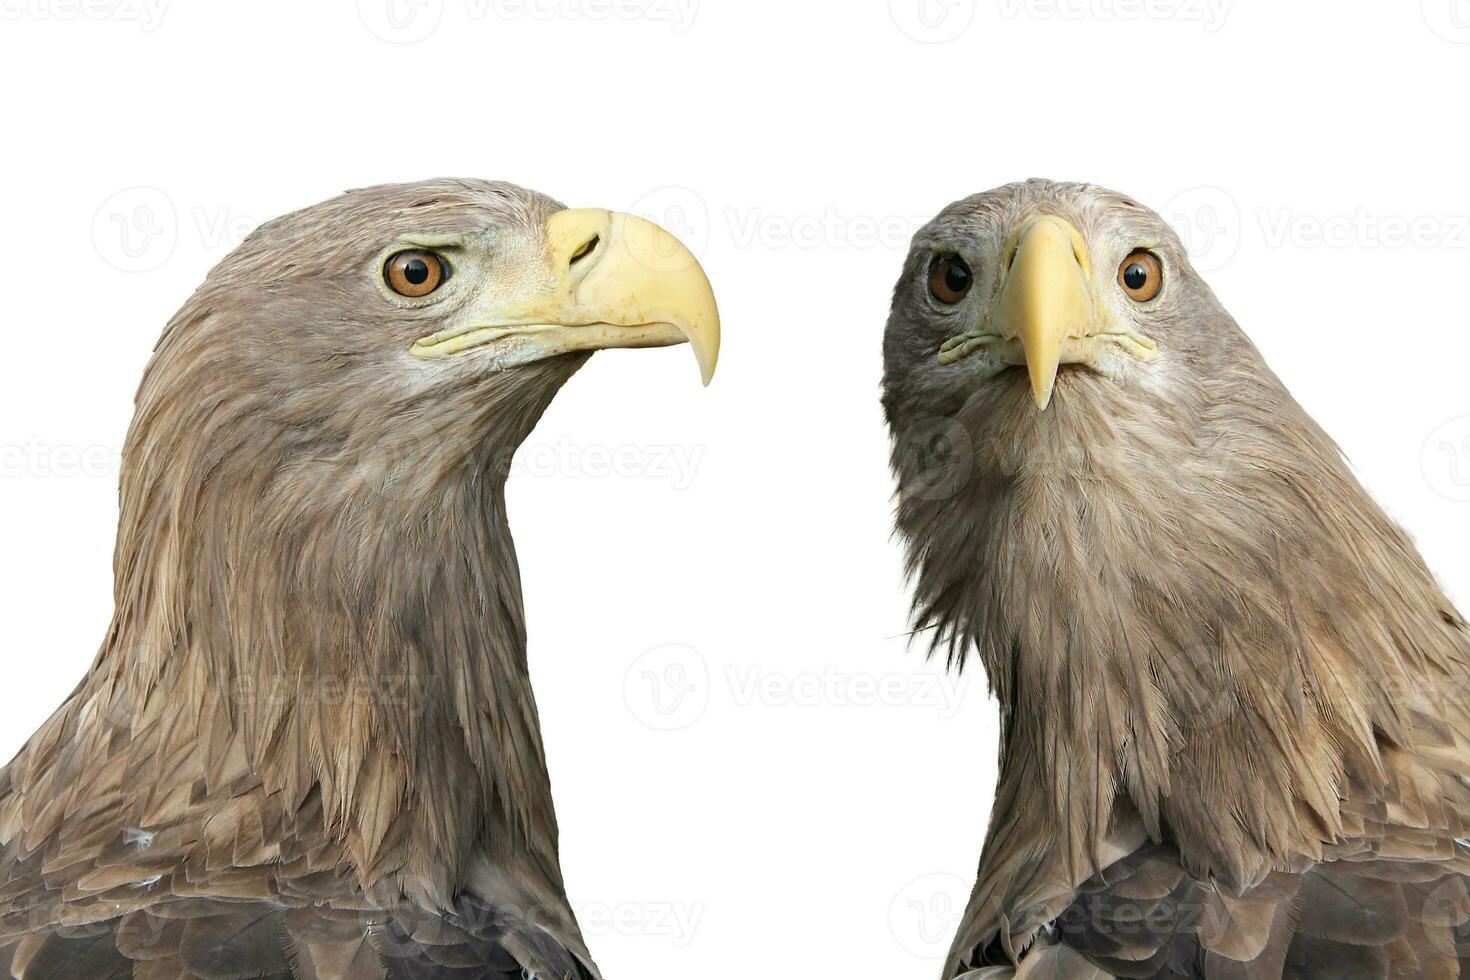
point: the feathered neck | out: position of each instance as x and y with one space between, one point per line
1188 610
338 614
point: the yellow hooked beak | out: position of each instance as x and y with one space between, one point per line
1047 311
1047 298
615 280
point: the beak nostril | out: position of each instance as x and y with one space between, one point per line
587 249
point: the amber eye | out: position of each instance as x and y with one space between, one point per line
950 279
415 273
1141 275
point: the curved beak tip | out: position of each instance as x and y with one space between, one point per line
1046 297
701 331
642 279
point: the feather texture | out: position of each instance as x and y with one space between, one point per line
1235 709
308 747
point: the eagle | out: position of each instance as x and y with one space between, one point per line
1234 713
308 746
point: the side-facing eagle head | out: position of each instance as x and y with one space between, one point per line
313 483
311 720
378 341
318 646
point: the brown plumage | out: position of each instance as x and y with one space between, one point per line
1235 720
308 747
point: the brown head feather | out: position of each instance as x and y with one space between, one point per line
1193 616
317 663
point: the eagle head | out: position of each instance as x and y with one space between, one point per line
1108 496
313 543
380 341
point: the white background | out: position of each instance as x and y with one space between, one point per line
755 776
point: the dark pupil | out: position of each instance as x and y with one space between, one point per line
1136 276
416 272
956 278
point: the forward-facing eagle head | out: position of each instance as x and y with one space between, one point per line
1163 563
1056 280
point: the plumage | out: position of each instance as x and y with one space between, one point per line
308 747
1235 723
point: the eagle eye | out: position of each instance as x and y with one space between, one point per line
1141 275
950 279
415 273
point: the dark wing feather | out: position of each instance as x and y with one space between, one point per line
89 951
202 940
1145 916
262 897
237 945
